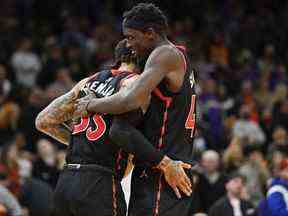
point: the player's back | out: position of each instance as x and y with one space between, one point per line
90 143
170 120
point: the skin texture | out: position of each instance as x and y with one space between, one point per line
163 63
51 120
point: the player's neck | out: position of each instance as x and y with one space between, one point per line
126 67
161 41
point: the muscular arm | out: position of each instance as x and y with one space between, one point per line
52 120
123 131
161 62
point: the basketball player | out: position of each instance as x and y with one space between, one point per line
170 120
91 178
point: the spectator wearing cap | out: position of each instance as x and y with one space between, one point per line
232 204
277 195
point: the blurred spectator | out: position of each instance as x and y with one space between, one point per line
9 163
219 53
52 64
247 129
232 204
36 100
279 153
279 94
248 99
256 172
61 85
277 195
267 62
280 114
5 84
213 181
209 103
26 64
71 32
206 67
75 62
278 76
280 138
263 95
9 115
9 205
233 155
45 167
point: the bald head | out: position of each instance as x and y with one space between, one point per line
210 161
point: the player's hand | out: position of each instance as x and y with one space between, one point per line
175 176
81 104
76 89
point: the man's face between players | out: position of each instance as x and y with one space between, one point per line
138 41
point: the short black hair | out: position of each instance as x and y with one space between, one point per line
235 175
121 50
144 16
122 54
249 149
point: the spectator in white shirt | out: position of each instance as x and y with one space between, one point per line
248 129
25 63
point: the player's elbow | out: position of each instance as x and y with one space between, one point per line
40 123
133 101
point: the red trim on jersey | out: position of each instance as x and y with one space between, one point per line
159 94
158 197
167 101
119 158
116 72
114 191
114 200
183 49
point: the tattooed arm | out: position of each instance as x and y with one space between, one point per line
53 119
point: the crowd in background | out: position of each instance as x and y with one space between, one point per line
240 59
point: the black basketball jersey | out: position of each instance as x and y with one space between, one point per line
170 119
90 143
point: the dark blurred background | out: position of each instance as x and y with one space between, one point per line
238 49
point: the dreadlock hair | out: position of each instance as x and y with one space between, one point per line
144 16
